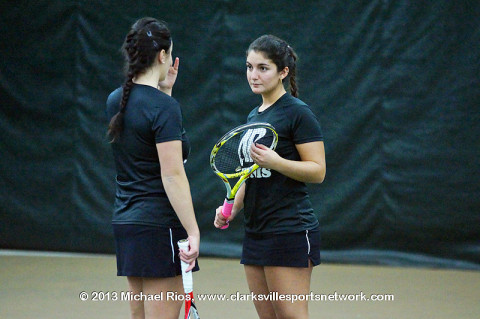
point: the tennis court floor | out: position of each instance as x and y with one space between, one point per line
49 285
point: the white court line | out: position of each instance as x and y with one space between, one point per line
34 253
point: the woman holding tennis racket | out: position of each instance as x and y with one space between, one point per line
282 238
153 208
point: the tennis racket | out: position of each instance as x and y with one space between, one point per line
187 277
230 158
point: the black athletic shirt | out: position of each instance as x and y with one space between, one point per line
274 203
151 117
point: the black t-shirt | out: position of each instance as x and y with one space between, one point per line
273 202
151 117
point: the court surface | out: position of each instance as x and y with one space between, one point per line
49 285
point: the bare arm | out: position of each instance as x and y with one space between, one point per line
177 188
310 169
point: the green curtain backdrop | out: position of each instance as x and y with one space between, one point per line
395 85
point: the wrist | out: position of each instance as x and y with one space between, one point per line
235 211
194 233
279 164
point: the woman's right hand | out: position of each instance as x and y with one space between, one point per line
220 220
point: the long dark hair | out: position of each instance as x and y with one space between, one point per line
146 38
281 54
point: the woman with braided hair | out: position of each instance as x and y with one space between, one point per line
153 207
282 238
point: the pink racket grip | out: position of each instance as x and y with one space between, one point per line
227 210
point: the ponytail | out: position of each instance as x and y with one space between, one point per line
292 67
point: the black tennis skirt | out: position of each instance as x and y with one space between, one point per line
148 251
285 250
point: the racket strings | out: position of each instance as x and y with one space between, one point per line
227 159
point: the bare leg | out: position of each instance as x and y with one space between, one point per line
168 309
292 281
136 306
258 285
153 309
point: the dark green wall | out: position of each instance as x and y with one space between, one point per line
394 83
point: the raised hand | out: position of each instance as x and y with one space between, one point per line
167 84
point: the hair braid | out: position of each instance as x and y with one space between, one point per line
116 123
127 87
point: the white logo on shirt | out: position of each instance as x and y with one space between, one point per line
250 137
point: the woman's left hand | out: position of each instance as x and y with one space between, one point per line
167 84
264 156
190 256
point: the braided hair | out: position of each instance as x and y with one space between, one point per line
146 38
281 54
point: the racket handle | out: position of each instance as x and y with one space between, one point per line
186 276
227 210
